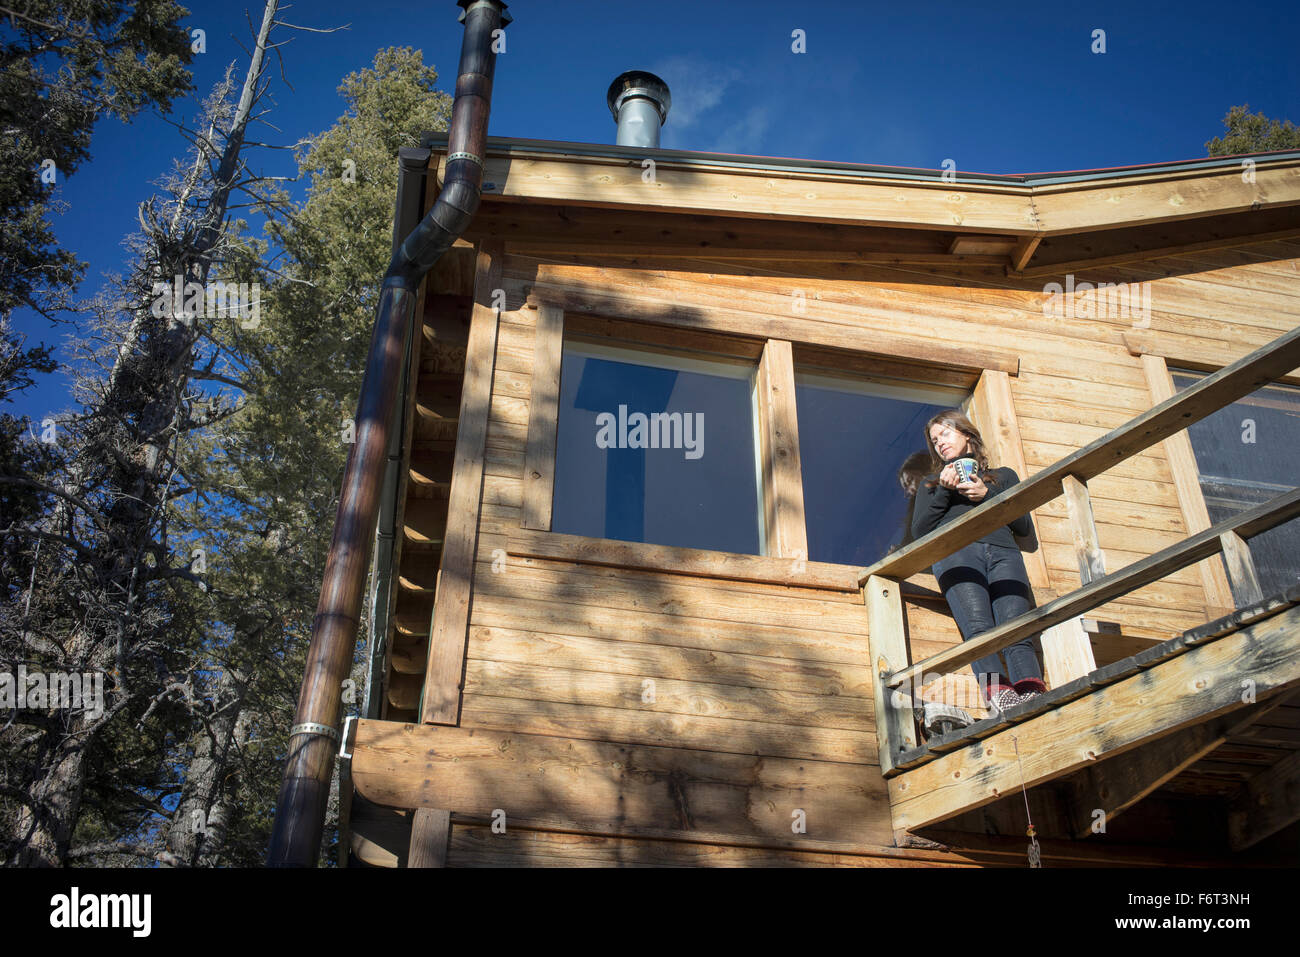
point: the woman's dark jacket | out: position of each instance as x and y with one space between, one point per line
938 505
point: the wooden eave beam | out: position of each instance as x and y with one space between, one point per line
1204 355
1110 204
796 195
1024 251
1201 684
826 196
824 331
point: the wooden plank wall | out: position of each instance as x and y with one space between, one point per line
781 673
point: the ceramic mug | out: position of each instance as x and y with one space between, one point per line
966 469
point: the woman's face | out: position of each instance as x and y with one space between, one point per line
948 442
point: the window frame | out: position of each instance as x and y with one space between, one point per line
682 360
1187 483
945 395
783 529
1185 435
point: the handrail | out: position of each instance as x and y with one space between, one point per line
1230 383
1192 549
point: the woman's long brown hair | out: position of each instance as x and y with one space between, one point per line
956 419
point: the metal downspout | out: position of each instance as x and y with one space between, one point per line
314 737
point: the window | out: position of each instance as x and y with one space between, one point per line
854 435
657 446
1247 453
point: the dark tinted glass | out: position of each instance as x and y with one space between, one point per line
853 437
1248 453
656 449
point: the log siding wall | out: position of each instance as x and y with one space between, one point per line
779 674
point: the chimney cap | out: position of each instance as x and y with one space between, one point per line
467 5
642 84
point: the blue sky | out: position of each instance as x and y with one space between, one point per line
998 88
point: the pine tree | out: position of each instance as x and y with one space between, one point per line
1252 133
63 66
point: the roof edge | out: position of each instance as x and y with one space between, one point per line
501 144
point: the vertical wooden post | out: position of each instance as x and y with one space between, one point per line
450 627
543 418
887 641
1067 653
787 534
1087 549
1067 648
1182 462
994 414
1242 577
430 834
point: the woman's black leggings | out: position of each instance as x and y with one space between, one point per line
986 585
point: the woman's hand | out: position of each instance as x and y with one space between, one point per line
975 489
948 476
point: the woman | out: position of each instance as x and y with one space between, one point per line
910 473
985 583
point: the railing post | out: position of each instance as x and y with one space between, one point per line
1067 653
1242 577
1067 649
1087 549
887 641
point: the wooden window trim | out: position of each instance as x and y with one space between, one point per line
778 428
815 327
1187 483
553 323
993 411
449 629
1179 351
543 418
694 562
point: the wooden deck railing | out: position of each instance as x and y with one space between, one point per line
880 582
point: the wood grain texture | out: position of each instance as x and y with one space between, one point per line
1083 529
1182 463
1242 576
682 561
1202 683
750 658
636 791
455 580
778 429
430 831
1067 653
895 727
543 418
993 411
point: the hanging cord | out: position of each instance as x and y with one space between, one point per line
1035 852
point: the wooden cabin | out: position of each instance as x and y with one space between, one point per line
600 650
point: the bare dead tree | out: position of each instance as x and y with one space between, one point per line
111 574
